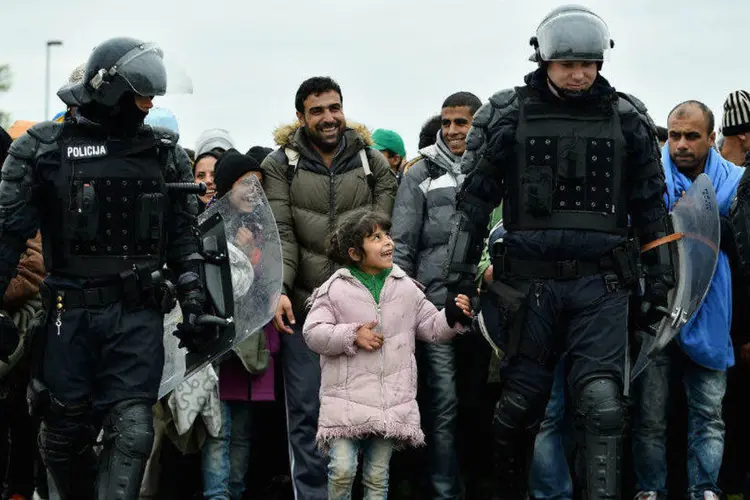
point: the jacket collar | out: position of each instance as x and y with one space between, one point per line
441 155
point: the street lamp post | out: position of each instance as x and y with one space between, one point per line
50 43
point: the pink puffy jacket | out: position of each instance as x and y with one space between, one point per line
361 392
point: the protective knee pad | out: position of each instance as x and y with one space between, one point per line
128 437
601 420
515 424
515 412
65 445
601 407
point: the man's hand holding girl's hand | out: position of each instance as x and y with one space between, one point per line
459 311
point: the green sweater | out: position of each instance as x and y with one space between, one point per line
374 283
497 216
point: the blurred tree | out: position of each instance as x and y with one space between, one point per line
5 81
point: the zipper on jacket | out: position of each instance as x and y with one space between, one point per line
378 329
379 318
331 210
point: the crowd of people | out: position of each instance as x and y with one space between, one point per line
454 323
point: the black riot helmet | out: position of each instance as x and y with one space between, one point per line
571 33
117 66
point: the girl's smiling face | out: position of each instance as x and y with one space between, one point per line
378 248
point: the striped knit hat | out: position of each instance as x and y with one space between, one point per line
736 113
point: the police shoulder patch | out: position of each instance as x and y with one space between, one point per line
81 151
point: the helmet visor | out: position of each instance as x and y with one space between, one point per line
574 36
148 72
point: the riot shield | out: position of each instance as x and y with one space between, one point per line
695 219
243 274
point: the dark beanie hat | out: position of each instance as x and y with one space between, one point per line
736 114
259 153
231 166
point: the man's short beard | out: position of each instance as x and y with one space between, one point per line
694 164
326 147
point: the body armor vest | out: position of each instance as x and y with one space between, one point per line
568 169
108 208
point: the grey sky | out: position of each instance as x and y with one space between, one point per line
395 60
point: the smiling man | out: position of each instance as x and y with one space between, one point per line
322 170
425 204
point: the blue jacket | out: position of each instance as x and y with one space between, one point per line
705 339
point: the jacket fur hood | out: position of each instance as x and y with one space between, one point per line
283 135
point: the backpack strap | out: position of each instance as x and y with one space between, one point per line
368 172
292 158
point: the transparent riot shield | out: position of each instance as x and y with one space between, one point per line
695 219
243 278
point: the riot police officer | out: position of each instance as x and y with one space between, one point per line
96 185
573 162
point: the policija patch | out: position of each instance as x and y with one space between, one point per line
86 151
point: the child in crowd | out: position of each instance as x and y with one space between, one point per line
368 386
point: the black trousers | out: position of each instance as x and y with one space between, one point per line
104 356
18 432
93 358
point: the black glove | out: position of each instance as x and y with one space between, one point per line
659 276
193 336
9 337
455 314
652 304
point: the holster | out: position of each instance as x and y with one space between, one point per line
512 307
626 260
138 287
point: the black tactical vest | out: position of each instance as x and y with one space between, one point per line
568 170
109 206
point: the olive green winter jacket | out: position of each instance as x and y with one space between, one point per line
309 208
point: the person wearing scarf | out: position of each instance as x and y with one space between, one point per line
703 349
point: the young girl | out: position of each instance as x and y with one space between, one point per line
368 386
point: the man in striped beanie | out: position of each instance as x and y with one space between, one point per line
736 127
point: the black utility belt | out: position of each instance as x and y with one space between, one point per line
161 296
133 288
623 262
546 269
95 297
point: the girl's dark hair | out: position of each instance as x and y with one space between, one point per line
351 233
